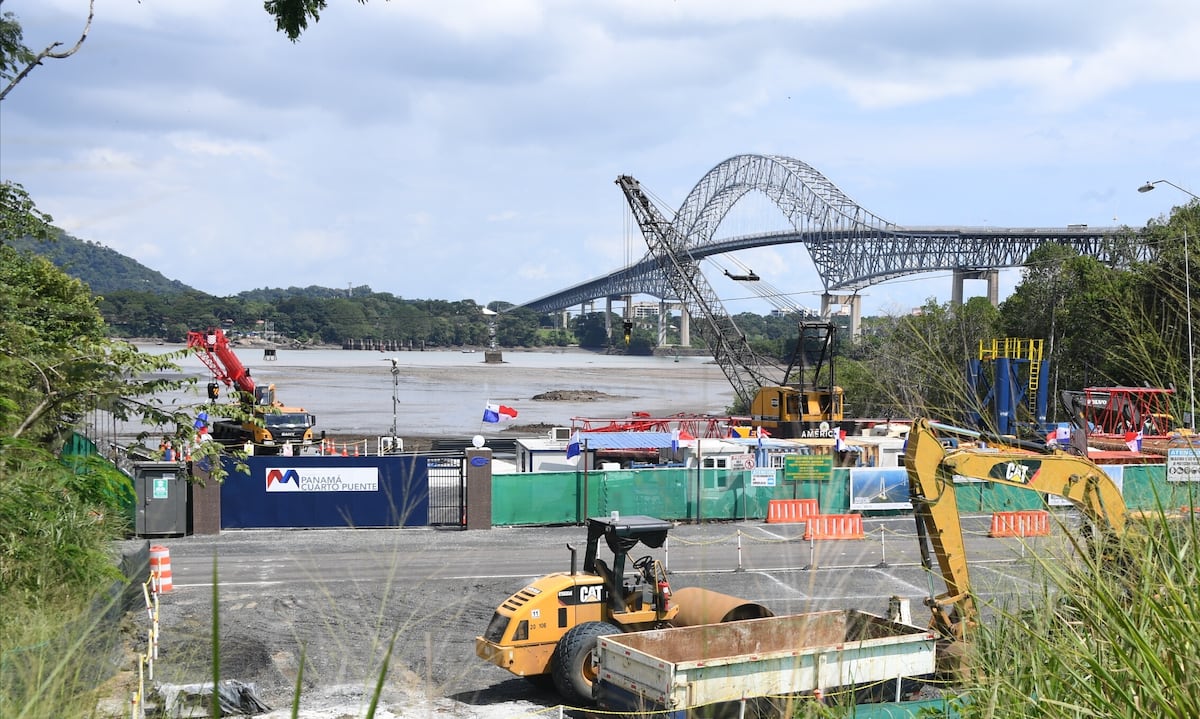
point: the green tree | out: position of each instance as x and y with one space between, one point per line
518 328
19 217
590 330
56 360
920 360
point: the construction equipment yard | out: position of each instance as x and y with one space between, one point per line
334 599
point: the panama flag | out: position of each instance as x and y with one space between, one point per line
840 442
1133 440
498 413
573 445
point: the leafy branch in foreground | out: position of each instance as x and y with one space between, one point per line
20 217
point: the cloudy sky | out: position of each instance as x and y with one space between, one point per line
468 148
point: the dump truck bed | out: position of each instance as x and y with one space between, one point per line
682 668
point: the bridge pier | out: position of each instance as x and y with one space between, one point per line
993 287
663 309
855 302
685 327
608 318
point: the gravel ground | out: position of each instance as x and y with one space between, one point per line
332 600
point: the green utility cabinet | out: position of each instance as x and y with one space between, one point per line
162 498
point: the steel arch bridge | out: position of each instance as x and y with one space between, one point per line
851 247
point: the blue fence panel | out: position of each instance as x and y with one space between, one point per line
283 492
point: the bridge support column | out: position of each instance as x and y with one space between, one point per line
855 303
685 327
608 318
663 309
566 320
993 287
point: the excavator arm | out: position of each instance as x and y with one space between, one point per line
931 471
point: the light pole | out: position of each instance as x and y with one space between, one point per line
395 400
1187 291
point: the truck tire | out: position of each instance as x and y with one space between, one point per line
573 664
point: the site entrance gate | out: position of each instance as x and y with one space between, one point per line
447 490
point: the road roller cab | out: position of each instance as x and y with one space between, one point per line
547 631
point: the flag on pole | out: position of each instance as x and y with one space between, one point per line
573 445
1133 440
839 443
674 441
498 413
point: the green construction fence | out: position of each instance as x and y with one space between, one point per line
688 494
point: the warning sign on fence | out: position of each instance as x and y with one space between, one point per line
762 477
741 461
1183 465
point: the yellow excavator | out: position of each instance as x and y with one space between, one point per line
931 469
547 631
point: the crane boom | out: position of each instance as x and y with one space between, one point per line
746 370
786 406
212 347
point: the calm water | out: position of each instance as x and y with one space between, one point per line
444 393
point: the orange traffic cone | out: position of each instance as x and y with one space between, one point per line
160 568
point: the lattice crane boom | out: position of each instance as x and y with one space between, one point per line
746 370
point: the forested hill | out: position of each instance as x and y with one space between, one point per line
103 269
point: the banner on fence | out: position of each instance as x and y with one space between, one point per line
879 488
805 467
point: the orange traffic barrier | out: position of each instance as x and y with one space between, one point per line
781 511
1022 523
834 526
160 567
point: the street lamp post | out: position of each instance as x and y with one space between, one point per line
395 403
1187 291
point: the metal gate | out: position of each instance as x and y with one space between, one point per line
448 490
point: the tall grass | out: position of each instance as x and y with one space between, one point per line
57 600
1110 639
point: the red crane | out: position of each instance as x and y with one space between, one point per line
218 357
275 425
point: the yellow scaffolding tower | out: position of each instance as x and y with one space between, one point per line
1018 349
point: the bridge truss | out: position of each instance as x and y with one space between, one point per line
851 247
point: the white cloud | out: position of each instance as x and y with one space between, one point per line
433 150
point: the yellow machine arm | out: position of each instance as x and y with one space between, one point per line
931 470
